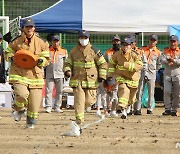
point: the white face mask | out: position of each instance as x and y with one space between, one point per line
84 42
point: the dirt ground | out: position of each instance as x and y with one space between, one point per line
137 134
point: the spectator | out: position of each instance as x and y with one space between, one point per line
148 74
55 75
171 59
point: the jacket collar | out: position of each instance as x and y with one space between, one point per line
23 35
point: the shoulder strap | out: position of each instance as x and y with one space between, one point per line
96 51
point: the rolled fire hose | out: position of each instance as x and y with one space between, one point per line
25 59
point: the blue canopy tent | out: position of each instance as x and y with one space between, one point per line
175 30
63 16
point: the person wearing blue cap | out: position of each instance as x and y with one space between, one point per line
2 63
55 75
133 44
171 59
86 67
27 82
125 65
148 74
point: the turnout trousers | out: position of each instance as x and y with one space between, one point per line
29 98
126 96
82 98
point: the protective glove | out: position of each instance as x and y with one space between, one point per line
11 59
40 61
100 80
67 74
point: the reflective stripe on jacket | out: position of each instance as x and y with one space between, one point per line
32 77
126 67
86 66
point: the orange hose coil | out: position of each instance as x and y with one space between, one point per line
25 59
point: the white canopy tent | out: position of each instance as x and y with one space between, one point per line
130 16
109 16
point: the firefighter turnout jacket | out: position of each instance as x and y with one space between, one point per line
138 50
86 66
32 77
126 67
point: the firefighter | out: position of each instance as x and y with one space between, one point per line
139 51
171 59
109 105
27 82
125 65
55 75
148 74
86 66
133 44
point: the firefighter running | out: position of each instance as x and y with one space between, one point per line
86 66
27 83
125 65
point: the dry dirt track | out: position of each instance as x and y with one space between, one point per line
138 134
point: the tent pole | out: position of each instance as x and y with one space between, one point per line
142 39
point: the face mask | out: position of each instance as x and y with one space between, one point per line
115 47
84 42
